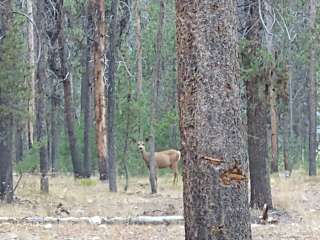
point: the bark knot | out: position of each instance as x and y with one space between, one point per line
234 174
211 160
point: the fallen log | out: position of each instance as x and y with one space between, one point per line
96 220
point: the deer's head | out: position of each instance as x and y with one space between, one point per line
141 146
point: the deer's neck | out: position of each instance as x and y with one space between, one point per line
145 156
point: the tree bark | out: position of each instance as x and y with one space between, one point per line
6 189
55 129
98 8
213 147
31 58
112 55
257 115
137 12
87 94
154 101
64 75
41 81
312 92
272 91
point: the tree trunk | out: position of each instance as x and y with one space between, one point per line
137 12
257 114
126 141
158 63
213 148
154 101
112 55
286 123
64 75
31 58
55 129
272 91
312 93
87 94
41 82
19 144
6 192
98 8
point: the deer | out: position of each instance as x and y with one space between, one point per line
164 159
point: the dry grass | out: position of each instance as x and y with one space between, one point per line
299 196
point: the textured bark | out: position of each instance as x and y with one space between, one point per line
137 12
112 55
312 92
286 123
213 149
19 144
87 94
272 91
126 141
54 130
41 81
98 9
32 77
6 193
64 75
257 115
154 101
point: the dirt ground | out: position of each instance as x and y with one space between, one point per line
296 199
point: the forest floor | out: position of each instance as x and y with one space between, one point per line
296 200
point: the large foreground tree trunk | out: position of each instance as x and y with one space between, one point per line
98 10
257 115
312 93
213 149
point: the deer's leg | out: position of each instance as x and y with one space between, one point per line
175 173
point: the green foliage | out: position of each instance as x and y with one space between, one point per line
30 162
13 72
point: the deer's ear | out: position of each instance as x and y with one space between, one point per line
148 138
133 140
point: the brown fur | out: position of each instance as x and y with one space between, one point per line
164 159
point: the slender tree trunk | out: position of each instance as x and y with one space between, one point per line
41 81
31 58
67 89
112 55
6 189
6 193
312 93
257 114
272 91
215 175
158 63
126 141
87 94
19 144
137 12
98 8
286 123
154 105
55 130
